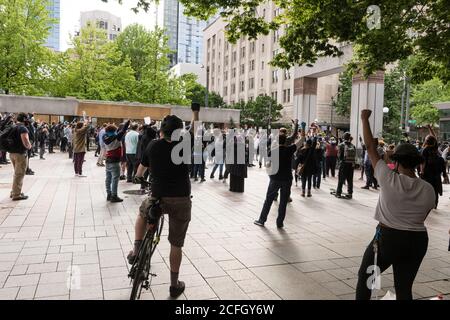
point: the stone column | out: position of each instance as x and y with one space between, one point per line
367 94
305 99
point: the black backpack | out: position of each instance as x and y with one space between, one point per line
7 139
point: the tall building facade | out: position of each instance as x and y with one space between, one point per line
242 71
185 33
102 20
53 40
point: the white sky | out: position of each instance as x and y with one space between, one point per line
71 9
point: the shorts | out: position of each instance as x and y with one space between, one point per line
179 212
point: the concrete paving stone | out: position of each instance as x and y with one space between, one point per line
193 280
345 263
321 276
58 257
42 268
6 266
423 290
58 298
208 267
353 282
111 258
11 248
108 243
230 265
26 293
291 284
30 259
114 272
252 285
8 293
309 266
441 286
22 280
338 287
116 283
263 295
19 270
120 294
259 257
341 274
54 249
33 251
86 293
73 248
188 270
226 289
86 257
198 293
51 290
8 257
54 277
3 276
241 274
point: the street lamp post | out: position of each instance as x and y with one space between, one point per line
207 88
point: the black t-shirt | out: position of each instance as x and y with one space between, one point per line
18 144
168 179
285 170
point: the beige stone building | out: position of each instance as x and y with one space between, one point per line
241 72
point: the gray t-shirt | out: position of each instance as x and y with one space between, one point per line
404 202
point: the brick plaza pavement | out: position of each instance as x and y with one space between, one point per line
67 222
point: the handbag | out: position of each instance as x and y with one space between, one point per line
300 169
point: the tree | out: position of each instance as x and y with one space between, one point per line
24 27
343 101
197 93
424 97
94 69
313 29
260 112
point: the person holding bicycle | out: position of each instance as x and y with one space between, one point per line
171 188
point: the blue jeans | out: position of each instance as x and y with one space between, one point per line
285 192
199 170
220 166
317 178
112 178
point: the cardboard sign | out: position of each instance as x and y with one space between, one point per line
147 120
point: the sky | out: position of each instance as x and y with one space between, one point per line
71 9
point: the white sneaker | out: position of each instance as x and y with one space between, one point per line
77 175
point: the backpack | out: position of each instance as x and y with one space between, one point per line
349 153
7 139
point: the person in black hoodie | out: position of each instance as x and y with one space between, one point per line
112 139
148 135
307 158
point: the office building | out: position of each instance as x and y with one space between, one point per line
102 20
53 40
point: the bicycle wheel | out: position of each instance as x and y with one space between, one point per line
140 266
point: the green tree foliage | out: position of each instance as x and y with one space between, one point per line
313 29
195 92
259 112
24 27
343 101
424 97
94 69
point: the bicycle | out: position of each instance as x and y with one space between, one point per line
140 271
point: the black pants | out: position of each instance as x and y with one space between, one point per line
371 181
63 144
51 144
346 172
272 192
331 166
131 166
306 179
404 251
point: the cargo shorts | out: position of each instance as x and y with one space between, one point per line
179 212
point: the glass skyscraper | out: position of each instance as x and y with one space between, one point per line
185 34
54 9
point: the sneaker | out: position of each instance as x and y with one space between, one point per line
42 158
220 178
175 292
195 179
122 178
212 177
259 223
108 198
303 194
116 199
309 195
20 198
290 200
203 180
280 226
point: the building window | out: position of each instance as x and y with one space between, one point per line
253 47
243 52
262 65
275 95
242 69
287 74
242 86
262 48
213 69
232 102
276 36
226 61
214 40
288 95
214 53
209 43
225 76
262 82
251 83
250 98
252 65
274 76
225 91
227 45
233 88
234 56
212 81
233 73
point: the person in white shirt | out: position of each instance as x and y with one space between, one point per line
401 240
131 143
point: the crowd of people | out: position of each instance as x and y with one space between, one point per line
407 174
